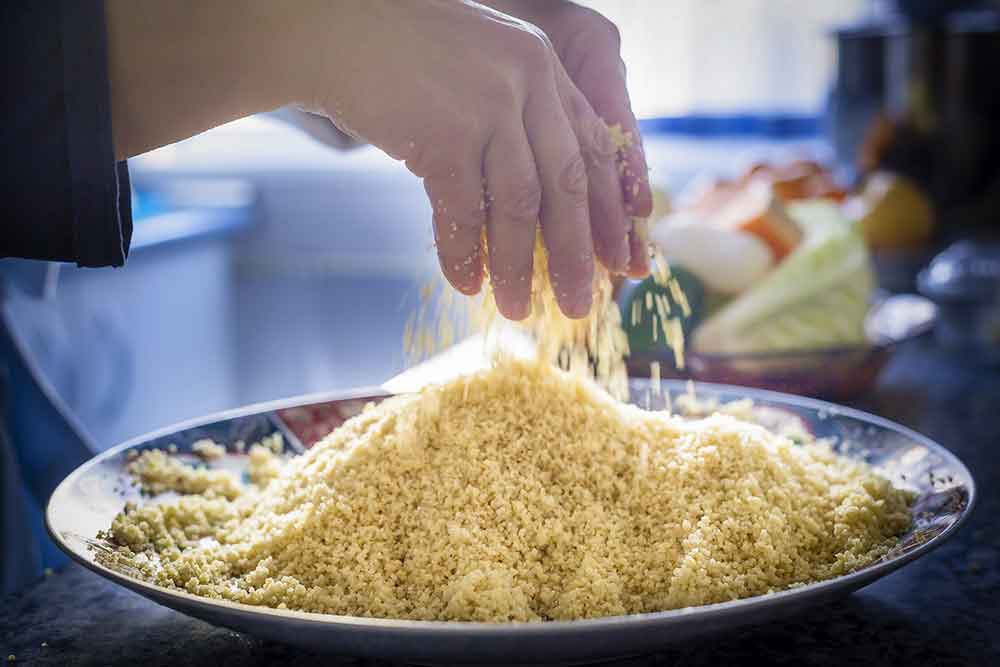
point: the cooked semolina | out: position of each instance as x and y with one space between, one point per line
208 449
262 465
522 494
157 472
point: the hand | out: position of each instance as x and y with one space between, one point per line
468 96
588 46
465 95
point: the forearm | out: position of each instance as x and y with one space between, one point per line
181 67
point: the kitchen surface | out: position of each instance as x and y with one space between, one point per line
826 192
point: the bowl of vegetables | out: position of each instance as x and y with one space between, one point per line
780 293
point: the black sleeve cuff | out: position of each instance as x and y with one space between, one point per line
99 187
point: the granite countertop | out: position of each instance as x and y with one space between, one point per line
943 609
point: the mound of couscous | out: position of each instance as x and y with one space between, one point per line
517 494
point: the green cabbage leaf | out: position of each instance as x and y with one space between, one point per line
817 297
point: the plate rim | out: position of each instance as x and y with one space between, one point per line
518 629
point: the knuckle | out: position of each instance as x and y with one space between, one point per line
473 220
598 146
505 95
455 222
464 222
521 204
461 221
573 178
509 266
604 29
436 156
534 53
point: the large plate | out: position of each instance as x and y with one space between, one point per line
88 499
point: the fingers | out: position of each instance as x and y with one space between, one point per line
564 209
513 215
456 197
634 174
601 79
608 221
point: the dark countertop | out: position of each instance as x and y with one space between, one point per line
943 609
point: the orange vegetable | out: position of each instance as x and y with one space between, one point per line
790 188
801 179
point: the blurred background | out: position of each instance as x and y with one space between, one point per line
266 264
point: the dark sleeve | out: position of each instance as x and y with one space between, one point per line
62 195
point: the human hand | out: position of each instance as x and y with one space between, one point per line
588 46
465 95
468 96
